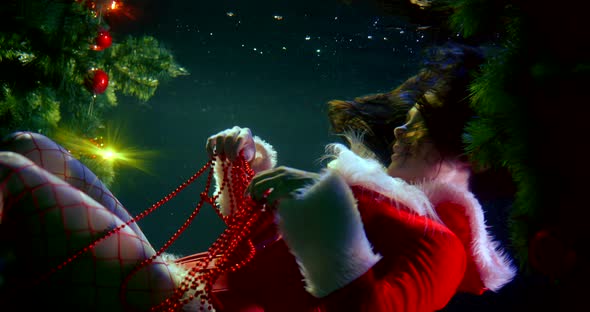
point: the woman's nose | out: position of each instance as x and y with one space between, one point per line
398 132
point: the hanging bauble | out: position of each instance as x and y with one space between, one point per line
90 4
549 255
103 40
96 81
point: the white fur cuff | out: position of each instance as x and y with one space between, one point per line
178 274
264 159
323 229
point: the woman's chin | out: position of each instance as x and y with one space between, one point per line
394 169
397 162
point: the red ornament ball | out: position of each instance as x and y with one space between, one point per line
90 4
103 40
549 255
97 81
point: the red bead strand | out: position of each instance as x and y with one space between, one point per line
245 213
120 227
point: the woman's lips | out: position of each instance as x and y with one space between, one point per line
399 151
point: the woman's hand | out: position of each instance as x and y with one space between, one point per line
279 183
230 143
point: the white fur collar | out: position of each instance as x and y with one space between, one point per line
494 266
370 174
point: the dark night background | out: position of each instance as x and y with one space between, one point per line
271 75
252 70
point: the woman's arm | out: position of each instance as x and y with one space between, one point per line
358 253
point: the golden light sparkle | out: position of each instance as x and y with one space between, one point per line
109 148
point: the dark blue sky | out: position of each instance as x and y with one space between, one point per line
270 65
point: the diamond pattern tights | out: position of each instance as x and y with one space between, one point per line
52 206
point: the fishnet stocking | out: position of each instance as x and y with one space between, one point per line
53 208
44 220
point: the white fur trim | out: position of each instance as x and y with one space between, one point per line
370 174
323 229
264 159
178 274
494 267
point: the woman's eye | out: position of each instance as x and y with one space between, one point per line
415 126
416 130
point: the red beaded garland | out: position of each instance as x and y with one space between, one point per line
223 252
239 222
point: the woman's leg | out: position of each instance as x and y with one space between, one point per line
57 160
44 221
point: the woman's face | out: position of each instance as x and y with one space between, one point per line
414 159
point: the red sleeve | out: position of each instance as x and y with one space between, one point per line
423 262
455 218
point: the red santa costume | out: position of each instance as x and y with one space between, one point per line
360 240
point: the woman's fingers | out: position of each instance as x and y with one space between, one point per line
282 182
245 142
262 183
230 143
209 147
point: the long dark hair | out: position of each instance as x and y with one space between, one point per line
446 73
445 98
